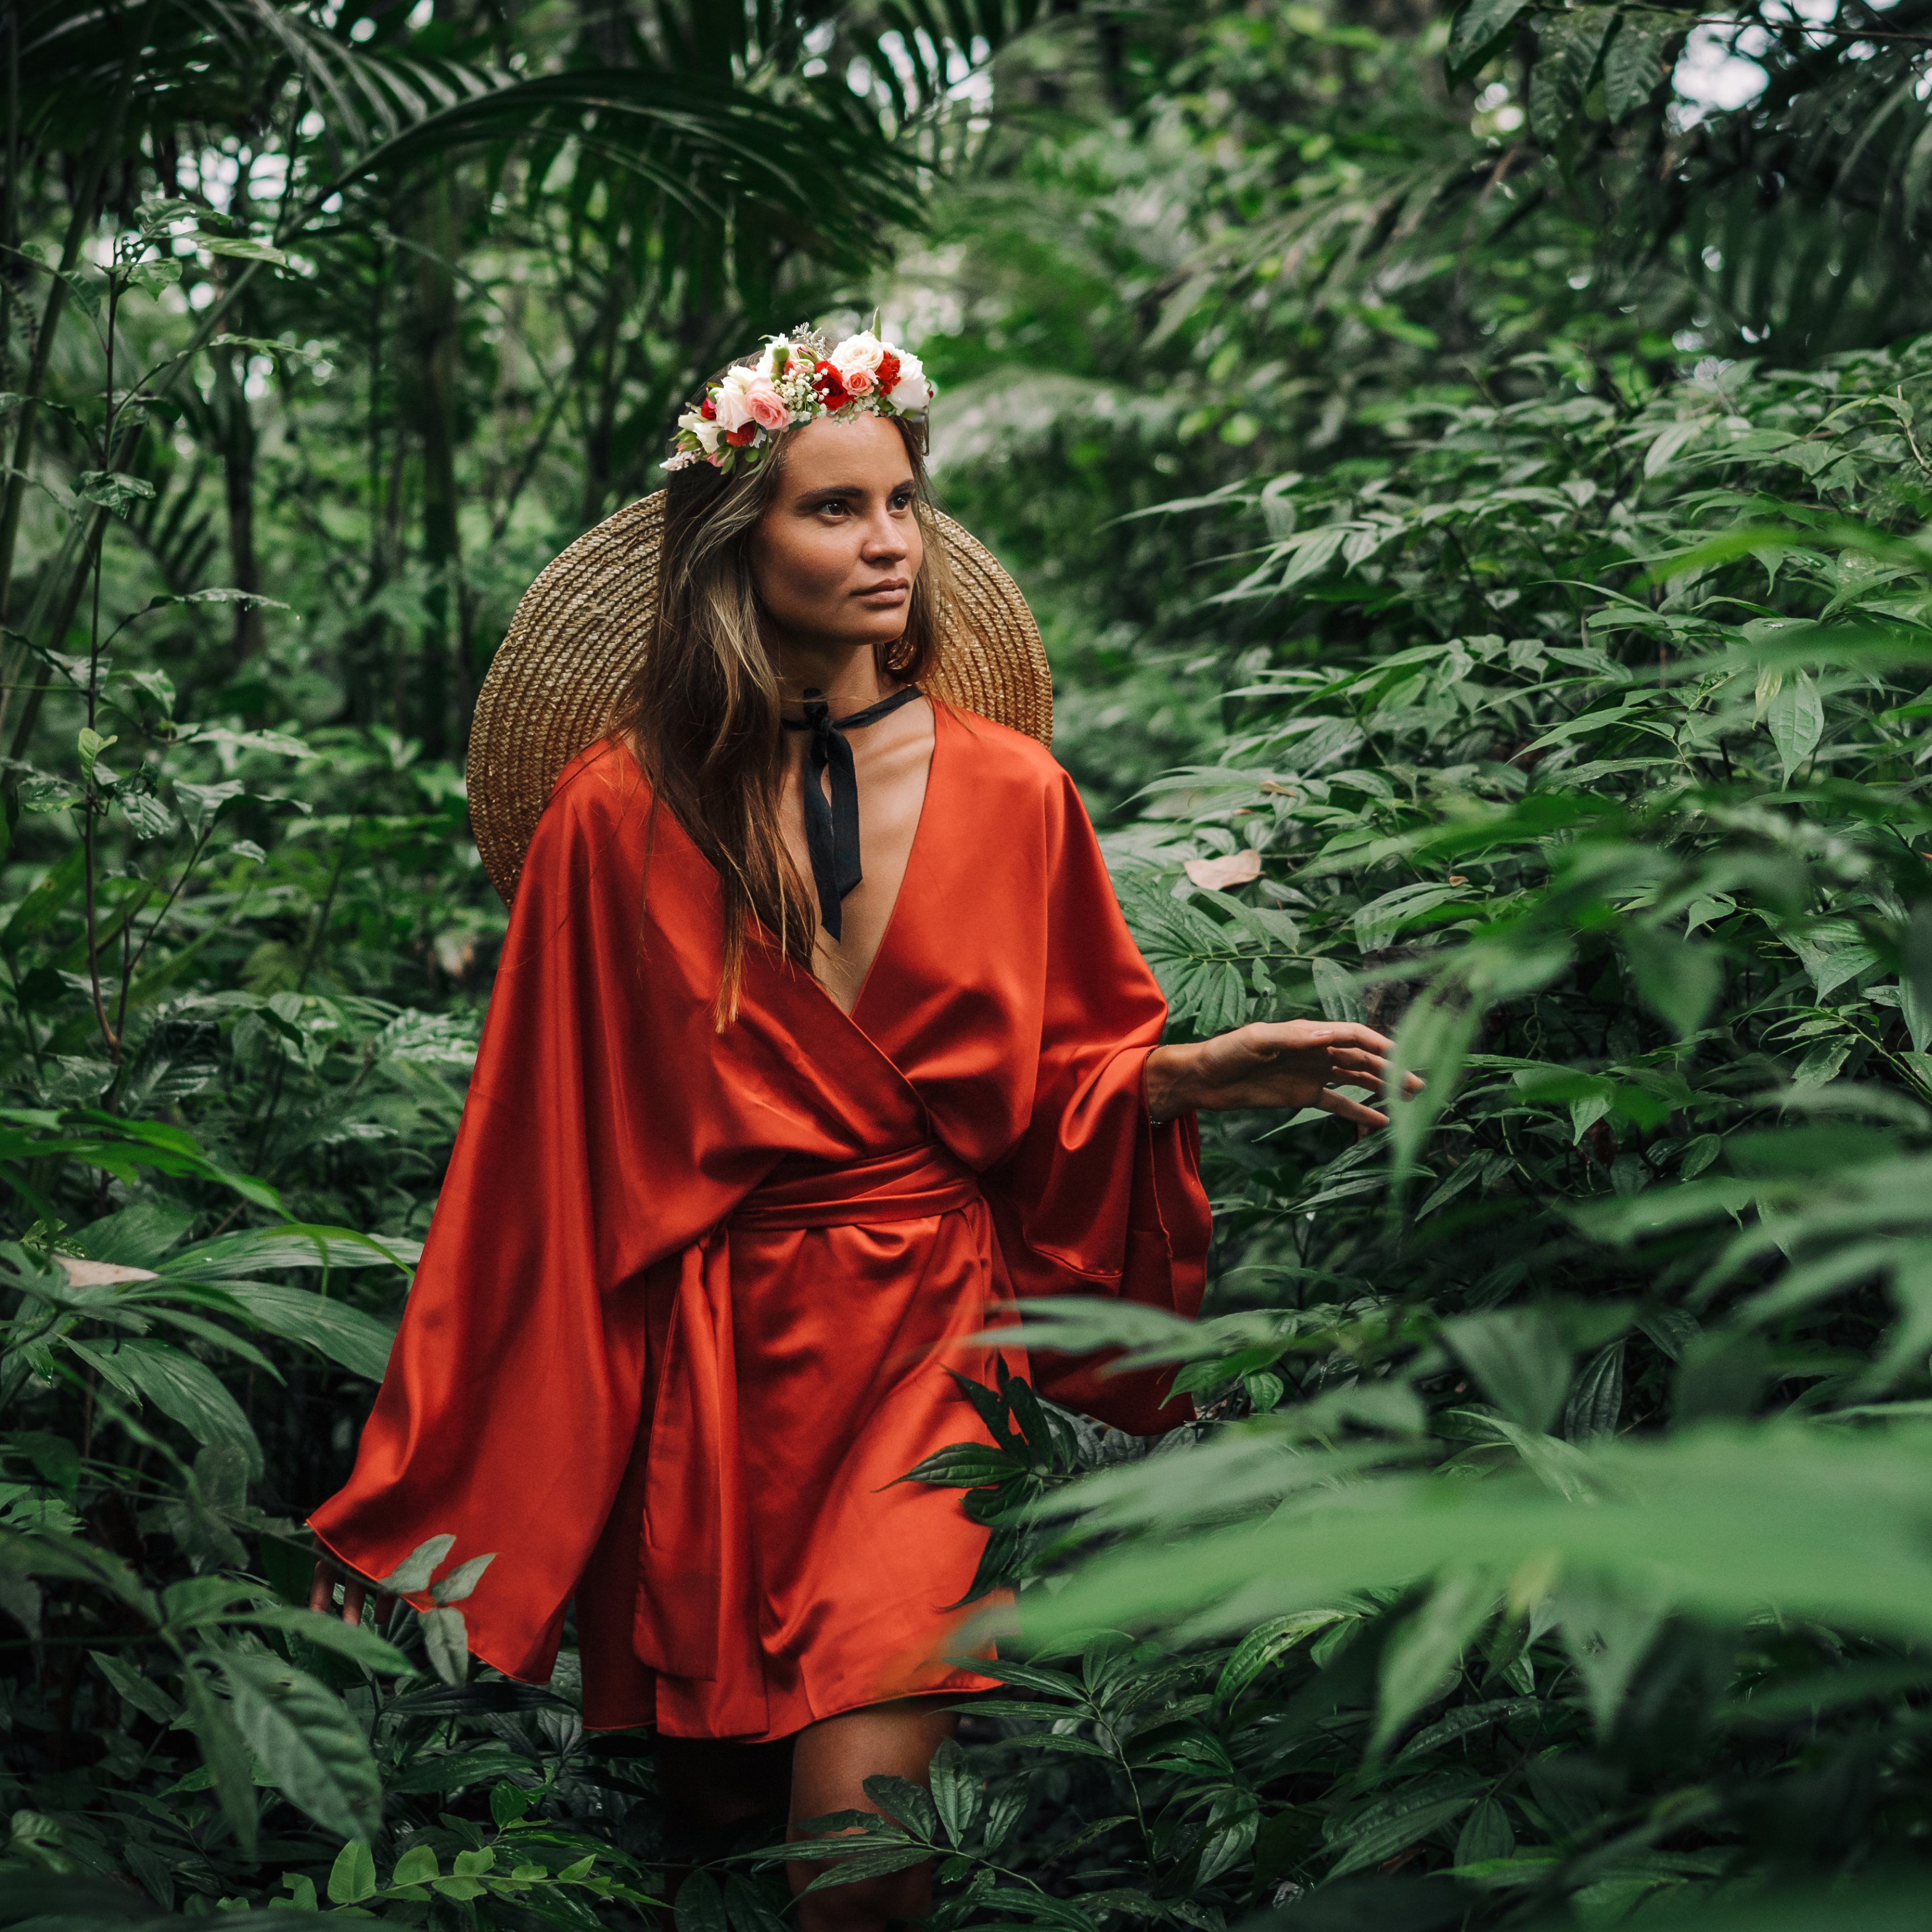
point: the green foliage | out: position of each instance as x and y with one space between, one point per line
1552 1543
1477 506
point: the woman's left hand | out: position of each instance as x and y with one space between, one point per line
1288 1063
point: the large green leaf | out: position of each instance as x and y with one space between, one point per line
335 1328
307 1744
185 1389
226 1754
1722 1522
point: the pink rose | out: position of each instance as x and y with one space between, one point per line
767 405
858 382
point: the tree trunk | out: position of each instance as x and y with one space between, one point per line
364 655
238 456
439 340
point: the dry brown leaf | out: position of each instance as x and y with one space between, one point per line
1218 875
100 1274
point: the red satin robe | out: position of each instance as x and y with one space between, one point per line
684 1314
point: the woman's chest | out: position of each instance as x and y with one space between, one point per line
885 802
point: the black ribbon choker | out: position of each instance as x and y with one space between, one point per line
832 827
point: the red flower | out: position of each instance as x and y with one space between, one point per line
738 438
889 373
708 409
830 385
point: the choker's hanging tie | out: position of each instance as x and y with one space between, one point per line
831 826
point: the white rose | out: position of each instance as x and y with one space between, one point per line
706 431
912 391
863 351
733 402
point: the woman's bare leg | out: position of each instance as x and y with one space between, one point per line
831 1761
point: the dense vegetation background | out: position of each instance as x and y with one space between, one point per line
1473 473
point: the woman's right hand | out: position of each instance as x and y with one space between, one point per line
329 1571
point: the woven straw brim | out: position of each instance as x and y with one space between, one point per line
554 685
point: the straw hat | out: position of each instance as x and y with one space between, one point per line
553 685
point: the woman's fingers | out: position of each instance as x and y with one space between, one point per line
1355 1059
1330 1102
355 1591
1372 1068
329 1572
1316 1036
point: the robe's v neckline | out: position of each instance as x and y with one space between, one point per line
914 855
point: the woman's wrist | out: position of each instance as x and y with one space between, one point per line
1172 1085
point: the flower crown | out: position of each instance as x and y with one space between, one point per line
797 379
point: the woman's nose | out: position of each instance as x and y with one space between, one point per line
885 542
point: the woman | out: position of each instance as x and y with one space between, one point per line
817 1034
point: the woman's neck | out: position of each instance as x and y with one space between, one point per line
848 675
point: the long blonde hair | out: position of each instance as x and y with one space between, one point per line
703 711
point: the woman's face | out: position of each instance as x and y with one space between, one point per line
835 556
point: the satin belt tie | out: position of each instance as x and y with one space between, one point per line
692 1482
908 1184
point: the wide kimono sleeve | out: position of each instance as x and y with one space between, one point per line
595 1141
1097 1198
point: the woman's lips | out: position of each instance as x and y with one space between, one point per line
893 586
